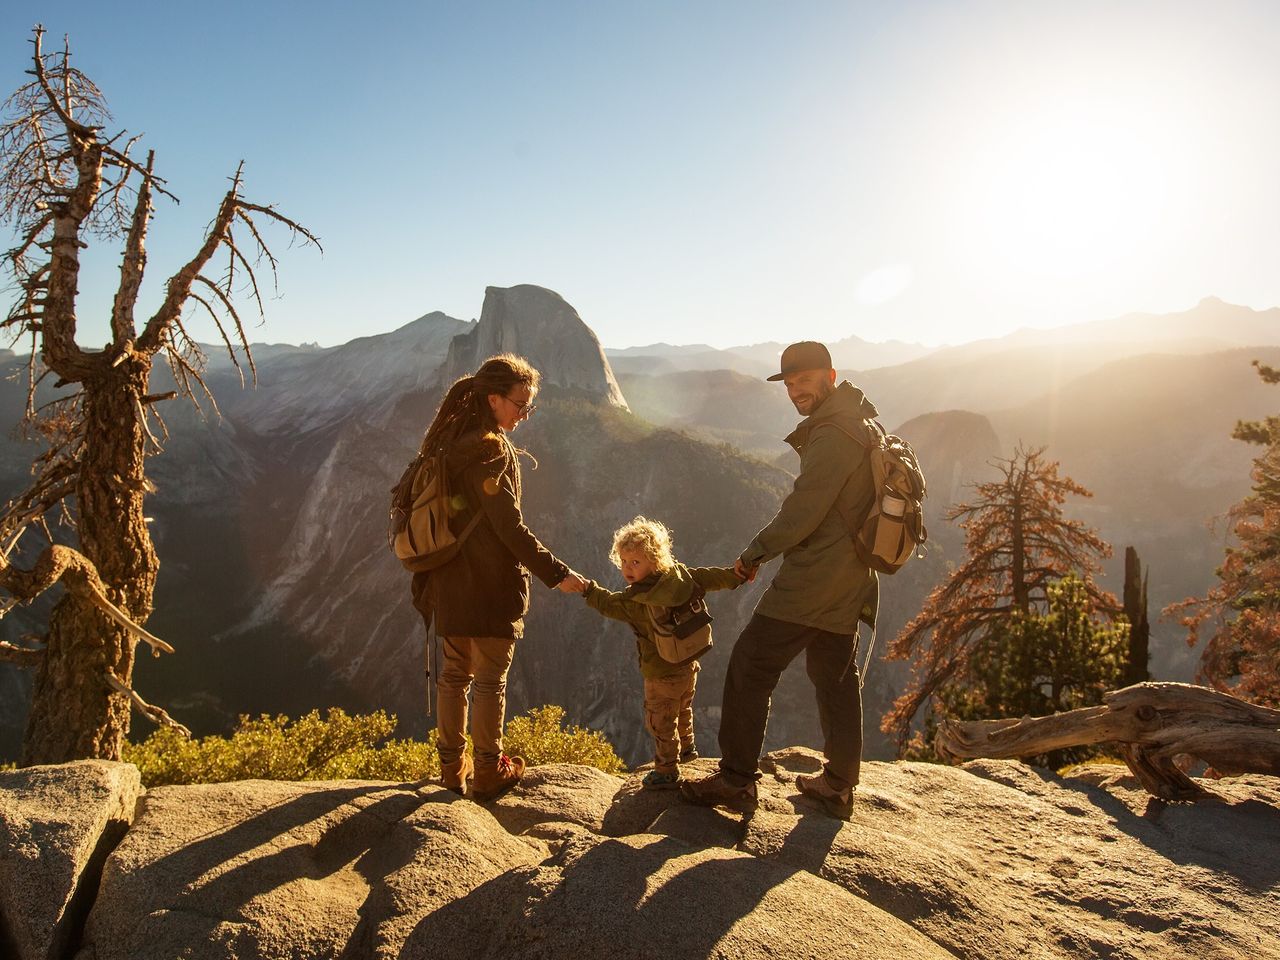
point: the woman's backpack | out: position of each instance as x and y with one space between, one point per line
418 526
682 633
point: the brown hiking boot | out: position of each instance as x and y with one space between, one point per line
455 775
717 791
838 803
492 783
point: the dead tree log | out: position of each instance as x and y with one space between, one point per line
1150 724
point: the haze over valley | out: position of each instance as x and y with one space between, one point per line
278 591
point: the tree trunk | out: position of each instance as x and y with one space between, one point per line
74 713
1135 609
1151 724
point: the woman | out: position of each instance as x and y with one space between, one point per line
479 599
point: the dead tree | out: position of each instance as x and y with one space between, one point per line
1151 724
63 181
1135 611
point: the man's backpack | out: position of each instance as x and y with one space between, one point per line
682 633
418 527
893 528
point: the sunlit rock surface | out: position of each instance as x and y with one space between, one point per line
993 860
57 825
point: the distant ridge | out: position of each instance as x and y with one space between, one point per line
758 359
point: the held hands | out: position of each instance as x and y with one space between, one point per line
573 583
745 574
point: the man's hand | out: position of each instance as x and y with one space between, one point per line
745 573
573 583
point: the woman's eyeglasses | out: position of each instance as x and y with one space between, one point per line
522 409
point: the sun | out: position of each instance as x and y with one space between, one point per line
1069 190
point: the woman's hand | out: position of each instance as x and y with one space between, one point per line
573 583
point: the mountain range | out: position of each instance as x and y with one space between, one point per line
280 595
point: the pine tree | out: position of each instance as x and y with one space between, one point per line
1041 663
968 644
1240 616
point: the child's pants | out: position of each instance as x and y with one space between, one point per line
668 715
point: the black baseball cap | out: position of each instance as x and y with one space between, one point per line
805 355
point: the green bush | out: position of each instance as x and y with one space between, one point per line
541 737
337 747
345 747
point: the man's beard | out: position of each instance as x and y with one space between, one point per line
814 400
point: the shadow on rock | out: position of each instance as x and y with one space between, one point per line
1227 830
646 896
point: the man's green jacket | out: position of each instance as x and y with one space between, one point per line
822 583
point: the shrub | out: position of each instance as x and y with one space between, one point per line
345 747
540 737
337 747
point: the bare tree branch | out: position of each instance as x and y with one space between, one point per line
135 263
78 574
22 656
153 713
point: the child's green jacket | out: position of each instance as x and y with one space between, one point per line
668 589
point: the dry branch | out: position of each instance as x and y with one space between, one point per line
23 656
80 577
1150 723
156 715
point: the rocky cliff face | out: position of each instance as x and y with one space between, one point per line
993 861
537 323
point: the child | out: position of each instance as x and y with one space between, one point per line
656 582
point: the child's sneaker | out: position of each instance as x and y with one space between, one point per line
689 754
656 780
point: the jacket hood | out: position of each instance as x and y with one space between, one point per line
846 399
667 589
487 446
846 403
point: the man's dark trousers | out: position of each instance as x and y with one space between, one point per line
763 651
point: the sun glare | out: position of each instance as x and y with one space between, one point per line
1068 192
883 284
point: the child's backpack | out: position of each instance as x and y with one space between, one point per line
893 529
418 527
682 634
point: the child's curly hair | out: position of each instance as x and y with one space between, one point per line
650 537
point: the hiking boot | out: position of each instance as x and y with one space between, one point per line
494 782
455 775
657 780
838 803
689 754
717 791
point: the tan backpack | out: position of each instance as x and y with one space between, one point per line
893 529
682 634
418 527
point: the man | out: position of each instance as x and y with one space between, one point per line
815 602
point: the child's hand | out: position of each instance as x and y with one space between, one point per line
745 574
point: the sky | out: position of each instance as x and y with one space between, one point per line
719 172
